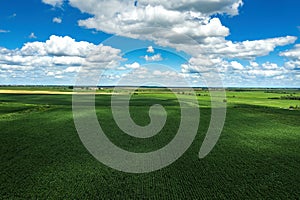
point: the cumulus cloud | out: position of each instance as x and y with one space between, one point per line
150 49
186 25
201 64
56 56
293 56
234 73
293 65
121 68
134 65
55 3
236 65
190 26
214 59
246 49
204 6
148 18
265 73
254 64
72 70
156 57
57 20
292 53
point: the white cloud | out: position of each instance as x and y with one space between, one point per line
249 49
4 31
72 70
50 74
156 57
150 49
279 77
57 20
32 36
66 47
134 65
294 57
292 53
56 57
147 20
265 73
292 64
236 65
165 73
201 64
207 7
254 64
270 66
55 3
186 25
59 76
234 73
121 68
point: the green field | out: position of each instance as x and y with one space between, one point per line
257 156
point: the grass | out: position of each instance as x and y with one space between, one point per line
257 156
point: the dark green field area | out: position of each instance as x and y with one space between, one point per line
257 156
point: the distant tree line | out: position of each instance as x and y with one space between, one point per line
289 97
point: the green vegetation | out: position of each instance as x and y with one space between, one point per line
257 156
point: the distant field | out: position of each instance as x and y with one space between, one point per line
257 156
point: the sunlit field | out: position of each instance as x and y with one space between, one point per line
257 156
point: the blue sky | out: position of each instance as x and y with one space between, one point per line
270 59
260 19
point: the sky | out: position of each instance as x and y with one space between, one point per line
243 43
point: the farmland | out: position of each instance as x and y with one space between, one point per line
257 156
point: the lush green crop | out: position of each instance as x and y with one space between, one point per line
257 156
